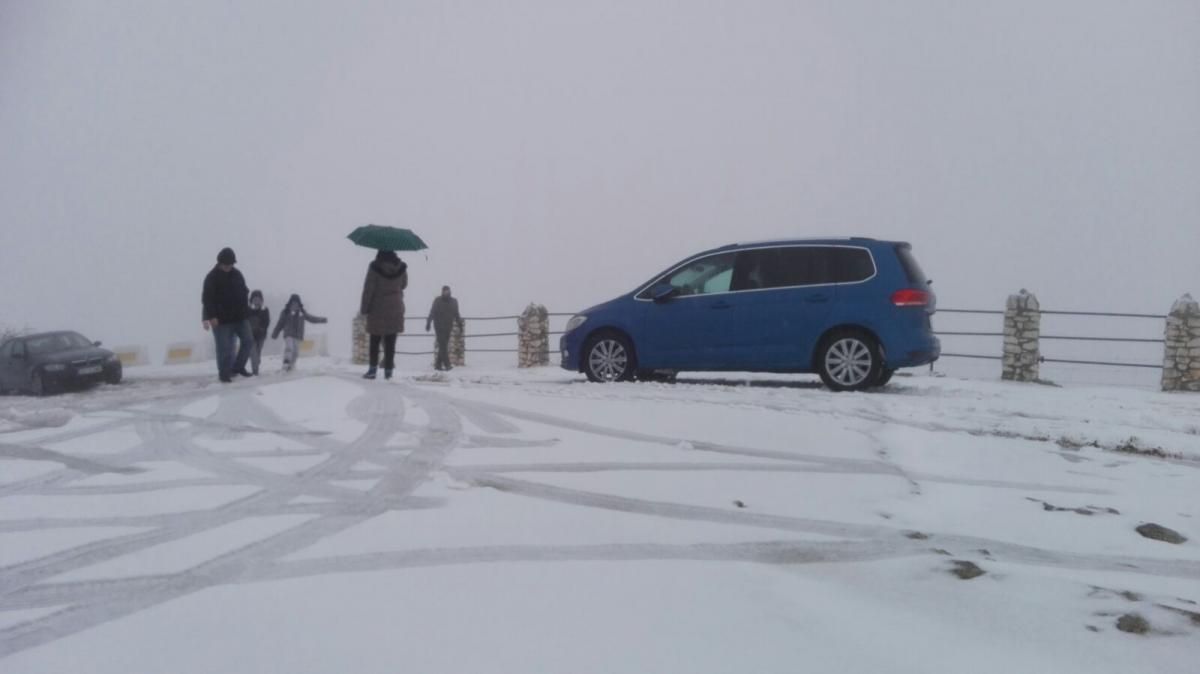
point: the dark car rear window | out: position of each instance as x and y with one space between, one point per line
911 269
849 265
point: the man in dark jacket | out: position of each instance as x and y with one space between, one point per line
260 325
443 315
225 310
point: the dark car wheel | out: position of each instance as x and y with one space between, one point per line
113 377
848 360
37 385
609 357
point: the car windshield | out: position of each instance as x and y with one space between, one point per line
59 341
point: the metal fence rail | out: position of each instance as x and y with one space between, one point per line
1068 338
940 333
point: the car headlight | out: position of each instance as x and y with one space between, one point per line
55 367
575 322
114 358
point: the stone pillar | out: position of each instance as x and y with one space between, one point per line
458 344
360 341
533 341
1022 329
1181 355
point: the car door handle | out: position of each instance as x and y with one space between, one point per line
721 305
816 299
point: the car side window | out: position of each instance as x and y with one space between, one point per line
850 265
712 274
782 267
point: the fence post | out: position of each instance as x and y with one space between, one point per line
359 340
533 328
1181 353
1022 330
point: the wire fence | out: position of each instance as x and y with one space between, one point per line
1058 337
948 353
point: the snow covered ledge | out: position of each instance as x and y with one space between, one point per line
1022 329
1181 355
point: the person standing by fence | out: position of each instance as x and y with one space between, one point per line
383 305
443 316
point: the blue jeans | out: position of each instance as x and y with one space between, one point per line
224 335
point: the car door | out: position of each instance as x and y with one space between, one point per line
696 328
788 299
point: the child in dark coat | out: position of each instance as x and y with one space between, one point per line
291 324
260 325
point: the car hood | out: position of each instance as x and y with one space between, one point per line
72 355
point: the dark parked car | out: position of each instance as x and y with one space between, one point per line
852 310
53 361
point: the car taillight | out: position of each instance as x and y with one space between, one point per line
911 298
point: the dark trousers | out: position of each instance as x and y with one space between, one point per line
256 354
229 361
389 351
443 349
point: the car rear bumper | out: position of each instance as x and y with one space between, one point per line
915 353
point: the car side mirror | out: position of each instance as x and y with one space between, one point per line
97 343
663 292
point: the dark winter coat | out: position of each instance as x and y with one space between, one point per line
260 322
225 297
443 314
292 320
383 297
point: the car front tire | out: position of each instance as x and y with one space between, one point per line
609 357
849 360
37 385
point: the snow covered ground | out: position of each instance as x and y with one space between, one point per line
496 520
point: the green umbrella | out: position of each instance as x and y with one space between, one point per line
381 237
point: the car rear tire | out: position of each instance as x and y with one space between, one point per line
609 357
849 360
885 375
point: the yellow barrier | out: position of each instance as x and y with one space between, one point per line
131 356
178 354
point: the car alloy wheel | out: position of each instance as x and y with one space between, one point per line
608 360
850 361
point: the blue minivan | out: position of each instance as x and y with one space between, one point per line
852 310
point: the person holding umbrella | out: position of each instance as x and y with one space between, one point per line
383 305
383 290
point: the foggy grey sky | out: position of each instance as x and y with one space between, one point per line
565 151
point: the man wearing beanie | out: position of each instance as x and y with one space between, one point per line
225 312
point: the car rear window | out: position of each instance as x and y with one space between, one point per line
849 265
911 269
